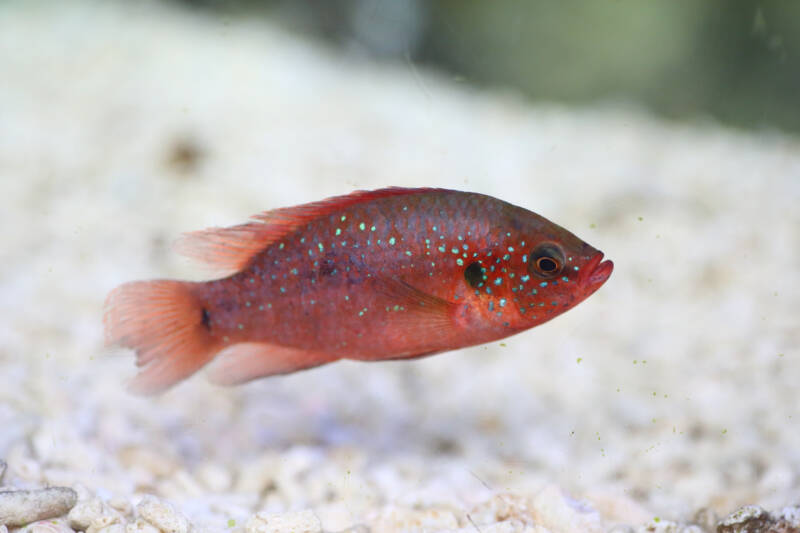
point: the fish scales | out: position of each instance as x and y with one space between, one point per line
388 274
321 274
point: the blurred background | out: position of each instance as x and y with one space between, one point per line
734 61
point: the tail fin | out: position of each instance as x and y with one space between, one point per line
163 321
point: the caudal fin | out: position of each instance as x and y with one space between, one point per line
163 322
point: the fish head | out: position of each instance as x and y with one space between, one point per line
560 271
533 272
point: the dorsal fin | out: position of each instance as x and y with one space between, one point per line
229 250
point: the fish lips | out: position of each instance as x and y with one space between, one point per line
596 272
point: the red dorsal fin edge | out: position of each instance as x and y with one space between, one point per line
229 250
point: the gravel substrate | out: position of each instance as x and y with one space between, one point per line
663 403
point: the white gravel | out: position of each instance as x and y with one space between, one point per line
673 389
21 507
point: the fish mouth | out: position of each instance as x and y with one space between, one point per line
596 271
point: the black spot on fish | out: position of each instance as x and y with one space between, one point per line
473 274
206 319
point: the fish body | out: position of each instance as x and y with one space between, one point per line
375 275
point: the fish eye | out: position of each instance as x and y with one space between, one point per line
473 274
547 260
547 265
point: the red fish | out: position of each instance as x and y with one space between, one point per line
388 274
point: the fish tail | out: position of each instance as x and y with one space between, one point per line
164 321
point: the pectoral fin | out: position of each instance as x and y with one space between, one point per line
423 323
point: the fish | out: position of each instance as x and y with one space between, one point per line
395 273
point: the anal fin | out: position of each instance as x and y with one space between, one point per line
247 361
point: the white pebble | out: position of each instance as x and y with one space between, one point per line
402 519
667 526
296 522
790 515
162 515
743 515
141 526
121 505
21 507
508 526
104 523
119 527
48 526
500 507
358 528
555 510
93 512
82 492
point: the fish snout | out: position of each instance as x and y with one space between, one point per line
596 272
